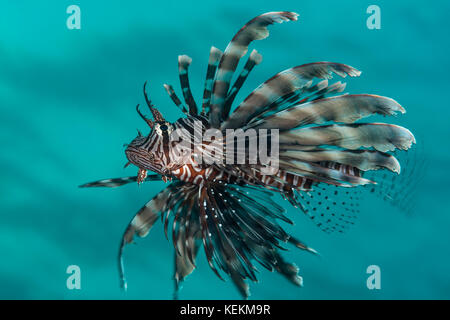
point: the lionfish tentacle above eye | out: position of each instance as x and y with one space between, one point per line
156 114
255 29
149 122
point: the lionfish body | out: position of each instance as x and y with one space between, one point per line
227 208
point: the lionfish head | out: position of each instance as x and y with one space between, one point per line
148 152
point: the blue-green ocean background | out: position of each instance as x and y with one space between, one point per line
67 101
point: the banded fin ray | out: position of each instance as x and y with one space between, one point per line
213 62
175 98
361 159
238 226
306 94
183 265
381 136
141 224
183 65
255 29
117 182
321 173
282 86
344 108
254 59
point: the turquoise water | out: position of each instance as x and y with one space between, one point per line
67 101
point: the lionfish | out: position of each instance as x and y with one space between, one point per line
227 208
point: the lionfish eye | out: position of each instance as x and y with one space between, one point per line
163 127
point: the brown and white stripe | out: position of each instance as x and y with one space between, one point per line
361 159
284 84
183 65
175 98
214 59
141 224
381 136
254 59
344 108
255 29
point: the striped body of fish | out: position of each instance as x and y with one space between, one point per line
227 208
